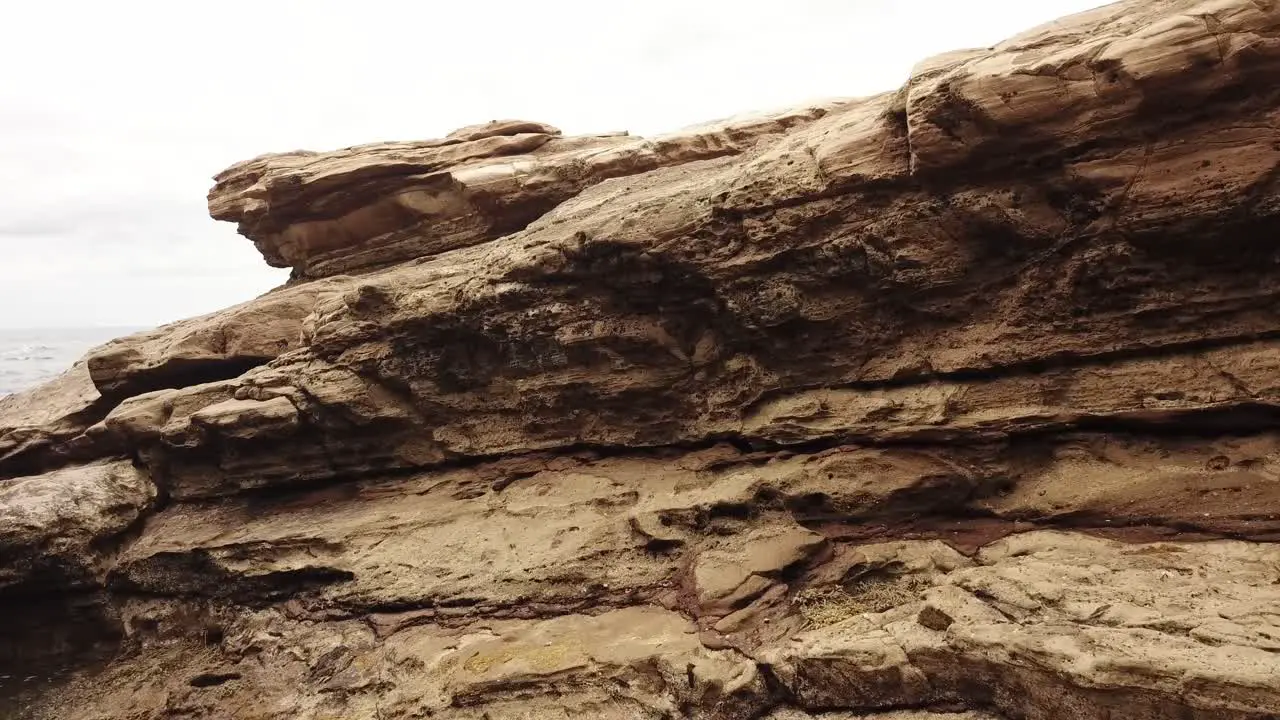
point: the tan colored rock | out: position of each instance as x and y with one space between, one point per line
576 533
1089 73
59 422
837 276
55 529
375 205
618 664
1230 486
241 418
1133 631
217 346
572 534
642 649
45 427
1140 631
953 403
1225 388
499 128
728 576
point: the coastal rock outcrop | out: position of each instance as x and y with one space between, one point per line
60 422
374 205
46 427
958 402
55 528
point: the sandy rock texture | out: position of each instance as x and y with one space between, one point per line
375 205
960 402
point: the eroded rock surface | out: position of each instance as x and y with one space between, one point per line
954 403
842 282
46 427
61 422
214 347
55 528
374 205
1048 619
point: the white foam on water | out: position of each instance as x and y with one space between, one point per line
30 357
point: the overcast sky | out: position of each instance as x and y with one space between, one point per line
115 115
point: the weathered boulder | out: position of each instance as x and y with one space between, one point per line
55 529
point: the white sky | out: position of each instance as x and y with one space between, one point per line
115 115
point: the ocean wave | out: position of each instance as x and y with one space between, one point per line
29 352
30 357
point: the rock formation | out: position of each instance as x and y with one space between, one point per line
959 402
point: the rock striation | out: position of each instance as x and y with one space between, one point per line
958 402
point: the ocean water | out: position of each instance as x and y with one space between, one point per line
29 357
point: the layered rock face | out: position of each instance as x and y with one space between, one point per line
954 403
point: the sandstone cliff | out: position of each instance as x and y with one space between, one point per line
960 402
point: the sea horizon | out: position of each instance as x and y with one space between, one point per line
33 355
